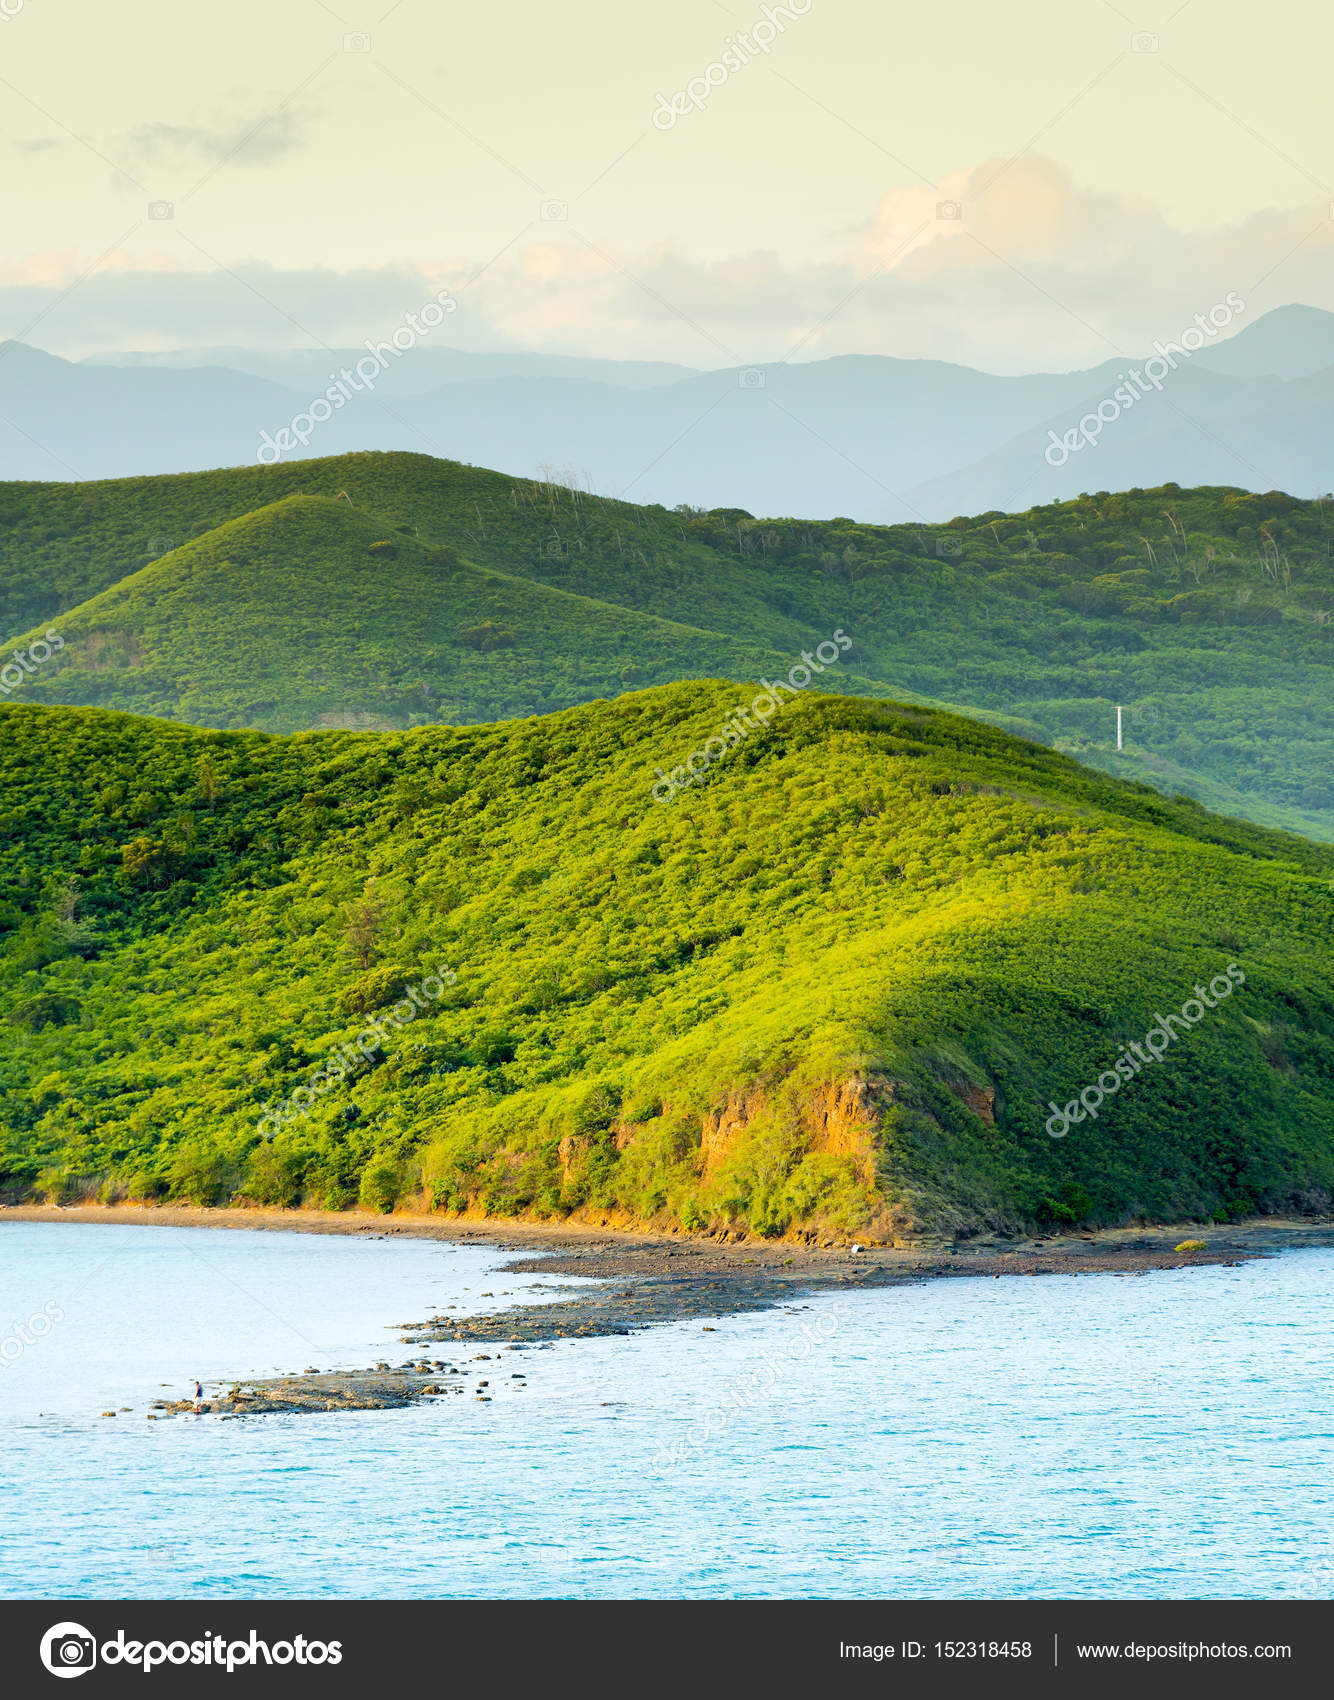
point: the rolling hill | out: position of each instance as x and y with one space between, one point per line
397 590
304 614
841 986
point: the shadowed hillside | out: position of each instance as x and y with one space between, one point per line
834 988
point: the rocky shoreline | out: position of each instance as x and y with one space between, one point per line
639 1281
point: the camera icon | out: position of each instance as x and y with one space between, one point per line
751 378
68 1649
159 546
357 42
949 548
74 1652
555 212
949 209
1146 714
159 210
1144 41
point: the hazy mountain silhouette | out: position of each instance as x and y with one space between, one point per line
1290 342
869 437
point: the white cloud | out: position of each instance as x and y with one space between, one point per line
1037 273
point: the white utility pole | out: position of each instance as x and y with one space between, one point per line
1118 726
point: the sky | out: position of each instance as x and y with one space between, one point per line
1034 186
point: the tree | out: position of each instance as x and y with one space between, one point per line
365 923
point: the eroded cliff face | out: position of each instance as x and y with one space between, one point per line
857 1154
840 1119
981 1100
816 1149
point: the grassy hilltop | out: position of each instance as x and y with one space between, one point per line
394 590
302 614
830 990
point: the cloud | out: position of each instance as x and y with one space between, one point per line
255 138
252 139
1007 266
124 306
1029 207
1037 273
1036 262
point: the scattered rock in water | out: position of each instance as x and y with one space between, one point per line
635 1288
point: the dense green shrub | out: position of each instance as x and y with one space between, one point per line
662 1011
393 590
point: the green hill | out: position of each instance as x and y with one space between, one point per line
328 622
65 543
1205 613
833 988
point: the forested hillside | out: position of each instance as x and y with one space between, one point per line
1205 613
833 988
328 622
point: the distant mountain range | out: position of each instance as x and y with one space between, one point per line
870 438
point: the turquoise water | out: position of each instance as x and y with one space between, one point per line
1162 1436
